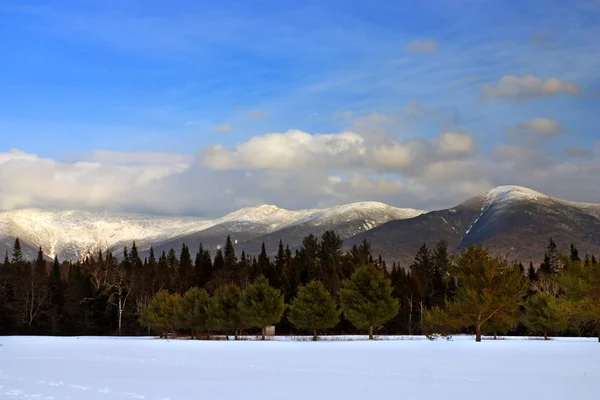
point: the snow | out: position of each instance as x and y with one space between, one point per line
74 234
512 193
145 368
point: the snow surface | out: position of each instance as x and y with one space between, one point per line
512 193
145 368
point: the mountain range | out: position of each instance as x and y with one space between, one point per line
509 220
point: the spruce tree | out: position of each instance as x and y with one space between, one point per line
229 255
330 257
223 310
531 274
6 260
264 265
56 295
17 254
203 266
314 309
186 270
574 253
219 262
367 300
261 305
594 262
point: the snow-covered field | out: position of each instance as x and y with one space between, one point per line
146 368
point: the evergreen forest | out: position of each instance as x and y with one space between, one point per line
316 290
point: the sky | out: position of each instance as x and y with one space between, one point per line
200 108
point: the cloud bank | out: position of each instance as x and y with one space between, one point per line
297 169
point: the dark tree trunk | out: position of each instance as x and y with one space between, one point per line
478 333
263 333
315 335
545 335
370 333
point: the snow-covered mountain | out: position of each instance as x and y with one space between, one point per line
249 228
510 220
72 234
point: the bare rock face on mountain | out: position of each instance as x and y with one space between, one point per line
509 220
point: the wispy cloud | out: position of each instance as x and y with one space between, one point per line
223 128
527 87
421 46
261 115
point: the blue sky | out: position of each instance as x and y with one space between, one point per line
181 76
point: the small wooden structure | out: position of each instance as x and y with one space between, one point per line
270 331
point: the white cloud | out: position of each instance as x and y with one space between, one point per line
456 143
293 170
543 126
137 158
578 152
393 155
258 115
526 87
223 128
421 46
291 150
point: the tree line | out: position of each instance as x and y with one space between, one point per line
316 289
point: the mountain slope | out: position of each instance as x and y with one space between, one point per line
346 220
509 220
73 234
248 231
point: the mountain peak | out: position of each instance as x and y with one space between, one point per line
512 193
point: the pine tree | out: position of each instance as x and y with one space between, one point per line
367 300
488 288
314 309
582 287
545 314
261 305
594 262
161 313
6 260
191 312
223 310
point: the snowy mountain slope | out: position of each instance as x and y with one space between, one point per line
248 231
510 220
72 234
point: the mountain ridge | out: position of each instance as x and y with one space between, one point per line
509 219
